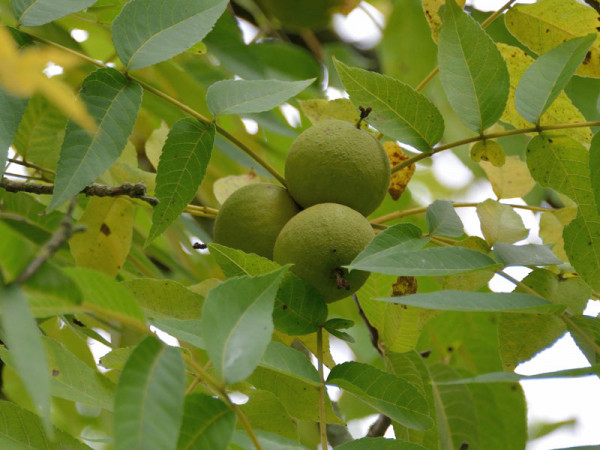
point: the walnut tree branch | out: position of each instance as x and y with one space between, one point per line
137 190
380 426
65 230
373 333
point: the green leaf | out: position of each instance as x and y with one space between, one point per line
299 397
472 70
21 429
189 331
379 443
389 394
400 237
74 380
181 169
16 251
207 423
429 261
299 309
100 292
267 440
442 219
22 337
40 133
285 360
562 163
397 109
546 24
455 409
595 168
237 323
266 412
32 13
477 301
113 101
150 31
525 255
585 331
251 96
165 298
51 292
150 397
511 377
548 75
11 112
500 223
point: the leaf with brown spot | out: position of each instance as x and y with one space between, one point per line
401 178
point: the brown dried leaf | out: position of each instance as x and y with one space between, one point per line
401 178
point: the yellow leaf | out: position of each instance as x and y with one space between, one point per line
488 151
21 74
500 223
226 186
319 110
400 179
543 25
561 110
105 244
511 180
156 142
432 14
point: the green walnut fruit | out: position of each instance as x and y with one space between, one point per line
335 162
252 217
319 241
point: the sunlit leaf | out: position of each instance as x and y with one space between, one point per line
237 323
561 110
150 31
318 110
548 75
113 101
251 96
180 171
397 109
266 412
442 219
472 70
104 245
500 223
150 397
477 301
524 255
510 180
548 23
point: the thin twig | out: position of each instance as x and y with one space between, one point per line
137 190
380 426
322 410
410 212
482 137
30 165
373 333
20 175
64 231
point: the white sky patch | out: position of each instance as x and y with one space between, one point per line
334 93
251 126
79 35
291 114
165 337
492 5
249 31
98 349
358 27
340 350
450 171
52 70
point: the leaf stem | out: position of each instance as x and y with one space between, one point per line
410 212
30 165
201 211
322 411
538 129
192 112
484 24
